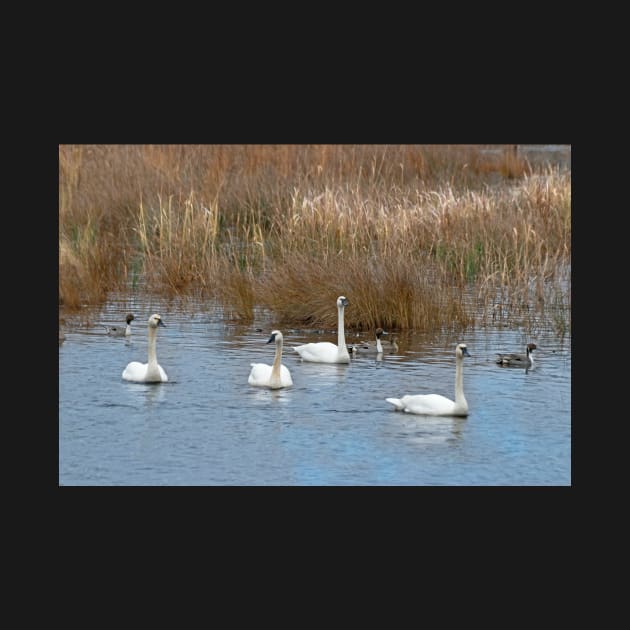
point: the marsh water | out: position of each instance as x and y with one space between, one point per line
207 426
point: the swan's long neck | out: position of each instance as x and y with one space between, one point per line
341 337
459 381
152 345
277 362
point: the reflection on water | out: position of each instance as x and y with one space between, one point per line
427 430
207 426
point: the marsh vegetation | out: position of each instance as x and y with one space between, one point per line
422 237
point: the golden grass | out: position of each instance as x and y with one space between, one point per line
415 237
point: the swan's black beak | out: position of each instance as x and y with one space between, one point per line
161 323
465 352
272 338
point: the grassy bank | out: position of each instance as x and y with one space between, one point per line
414 236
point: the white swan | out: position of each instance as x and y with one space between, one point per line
325 351
519 360
273 376
434 404
119 331
370 348
150 372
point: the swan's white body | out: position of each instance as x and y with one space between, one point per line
273 376
119 331
150 372
520 360
325 351
434 404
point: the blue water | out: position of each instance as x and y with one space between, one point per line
207 426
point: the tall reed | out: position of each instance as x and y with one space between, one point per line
414 236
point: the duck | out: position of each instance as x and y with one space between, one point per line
518 360
273 376
368 347
434 404
151 372
392 346
325 351
119 331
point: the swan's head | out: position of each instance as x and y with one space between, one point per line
531 347
130 318
462 351
342 301
275 334
155 321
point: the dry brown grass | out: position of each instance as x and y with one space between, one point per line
407 233
383 293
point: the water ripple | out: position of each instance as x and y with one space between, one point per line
333 427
